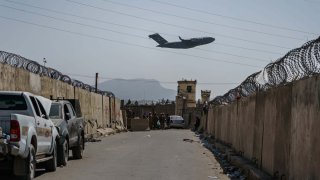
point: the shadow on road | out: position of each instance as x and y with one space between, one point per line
7 174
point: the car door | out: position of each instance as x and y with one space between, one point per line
39 126
67 116
73 121
46 129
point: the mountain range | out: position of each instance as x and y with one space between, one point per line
137 89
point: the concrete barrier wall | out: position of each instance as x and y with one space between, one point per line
118 112
210 129
105 111
305 134
279 129
246 116
95 108
140 110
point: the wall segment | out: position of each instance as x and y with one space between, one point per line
279 128
95 107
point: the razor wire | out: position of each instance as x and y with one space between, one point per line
296 64
34 67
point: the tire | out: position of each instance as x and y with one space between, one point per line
30 164
77 152
51 165
63 153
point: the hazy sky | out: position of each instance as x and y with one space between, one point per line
82 37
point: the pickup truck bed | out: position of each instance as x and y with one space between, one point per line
5 125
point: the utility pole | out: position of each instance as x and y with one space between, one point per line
96 85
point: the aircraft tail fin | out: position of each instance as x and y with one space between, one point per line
158 38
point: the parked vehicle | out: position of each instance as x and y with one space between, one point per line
176 122
27 136
70 128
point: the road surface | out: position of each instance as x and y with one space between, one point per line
148 155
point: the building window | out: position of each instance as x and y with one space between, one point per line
189 89
178 89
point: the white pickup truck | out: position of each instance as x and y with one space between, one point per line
27 135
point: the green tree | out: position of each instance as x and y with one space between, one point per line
128 103
167 101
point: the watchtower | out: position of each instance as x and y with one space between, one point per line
186 96
205 96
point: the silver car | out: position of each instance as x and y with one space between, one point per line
176 121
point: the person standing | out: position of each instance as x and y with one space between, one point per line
155 120
197 124
162 119
150 118
168 120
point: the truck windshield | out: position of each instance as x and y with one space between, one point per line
55 112
12 102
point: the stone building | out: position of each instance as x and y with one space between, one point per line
203 107
186 100
205 96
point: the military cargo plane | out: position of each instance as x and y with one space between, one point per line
183 44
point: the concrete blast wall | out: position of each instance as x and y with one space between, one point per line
98 111
279 129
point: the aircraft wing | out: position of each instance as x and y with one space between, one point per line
158 38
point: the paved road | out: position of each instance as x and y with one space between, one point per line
150 155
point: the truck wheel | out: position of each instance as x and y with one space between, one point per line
30 164
77 152
52 163
63 154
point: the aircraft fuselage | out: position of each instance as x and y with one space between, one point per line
182 44
188 43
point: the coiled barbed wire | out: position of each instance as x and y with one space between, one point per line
34 67
296 64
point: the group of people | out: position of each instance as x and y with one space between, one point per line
156 121
162 121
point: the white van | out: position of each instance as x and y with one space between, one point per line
176 121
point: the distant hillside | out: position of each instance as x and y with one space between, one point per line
137 89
